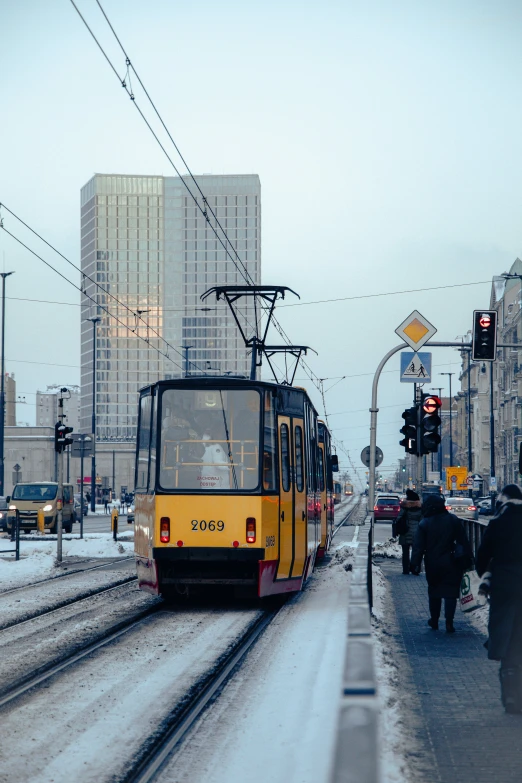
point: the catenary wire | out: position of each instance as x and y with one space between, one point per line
243 271
135 314
111 315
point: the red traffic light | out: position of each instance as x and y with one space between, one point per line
431 404
485 321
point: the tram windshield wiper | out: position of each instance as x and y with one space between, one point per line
230 457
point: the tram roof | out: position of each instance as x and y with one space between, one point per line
287 394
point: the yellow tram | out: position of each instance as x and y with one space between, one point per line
325 487
228 487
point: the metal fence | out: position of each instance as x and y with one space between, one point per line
475 531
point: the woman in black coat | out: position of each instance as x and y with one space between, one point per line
406 526
443 543
501 553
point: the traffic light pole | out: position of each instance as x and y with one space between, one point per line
374 409
418 401
59 498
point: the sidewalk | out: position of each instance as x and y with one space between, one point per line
454 712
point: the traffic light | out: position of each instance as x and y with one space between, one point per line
484 336
61 439
409 430
430 423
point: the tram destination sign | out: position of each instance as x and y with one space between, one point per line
365 456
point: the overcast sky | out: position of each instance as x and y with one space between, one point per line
386 136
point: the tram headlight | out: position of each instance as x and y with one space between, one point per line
165 530
251 530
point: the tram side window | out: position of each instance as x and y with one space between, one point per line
285 458
142 463
153 439
269 444
320 468
299 472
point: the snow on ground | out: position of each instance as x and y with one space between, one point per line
85 725
276 719
393 732
390 548
38 556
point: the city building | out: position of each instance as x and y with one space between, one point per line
144 240
504 377
47 407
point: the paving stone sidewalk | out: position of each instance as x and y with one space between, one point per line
460 723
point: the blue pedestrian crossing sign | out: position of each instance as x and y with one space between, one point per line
415 367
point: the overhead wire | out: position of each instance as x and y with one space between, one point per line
202 208
100 306
137 314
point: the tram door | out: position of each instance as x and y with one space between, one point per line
286 500
300 522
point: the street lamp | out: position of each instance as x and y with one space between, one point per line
95 320
2 387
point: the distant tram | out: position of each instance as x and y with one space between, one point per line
348 488
233 487
336 492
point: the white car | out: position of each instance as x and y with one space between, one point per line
462 507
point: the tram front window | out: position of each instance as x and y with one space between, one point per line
210 439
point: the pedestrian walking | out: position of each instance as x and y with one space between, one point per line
501 553
106 505
406 525
442 542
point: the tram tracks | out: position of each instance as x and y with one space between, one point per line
73 572
347 516
171 735
46 672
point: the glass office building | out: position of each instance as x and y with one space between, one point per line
144 241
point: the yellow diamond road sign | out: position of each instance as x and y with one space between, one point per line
416 330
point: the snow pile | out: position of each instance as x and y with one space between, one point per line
394 735
390 548
343 555
479 618
38 557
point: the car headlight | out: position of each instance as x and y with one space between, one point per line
48 507
12 508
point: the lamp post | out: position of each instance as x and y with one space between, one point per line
2 387
451 417
95 320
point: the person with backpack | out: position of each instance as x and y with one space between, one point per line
501 553
441 540
405 526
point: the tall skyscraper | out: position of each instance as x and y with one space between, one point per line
145 241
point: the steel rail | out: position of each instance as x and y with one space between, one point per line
156 756
69 602
46 673
347 517
63 576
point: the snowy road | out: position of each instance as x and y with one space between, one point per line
276 719
282 700
75 724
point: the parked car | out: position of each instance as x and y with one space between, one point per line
77 501
462 507
3 514
386 507
484 506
